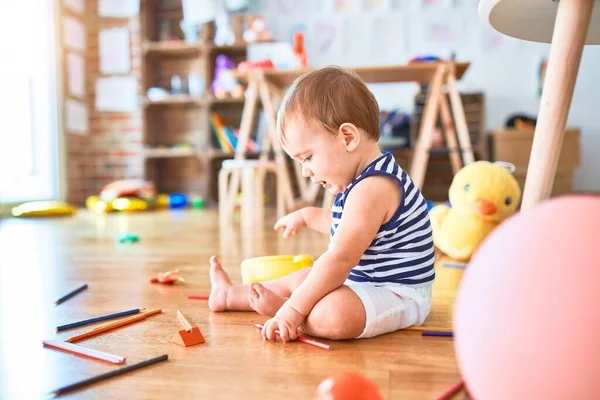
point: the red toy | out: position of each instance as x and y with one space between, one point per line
246 66
167 278
347 385
300 51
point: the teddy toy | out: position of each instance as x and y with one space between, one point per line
257 31
482 195
224 82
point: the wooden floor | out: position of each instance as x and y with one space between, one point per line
42 259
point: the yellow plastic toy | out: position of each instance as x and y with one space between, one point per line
482 195
94 203
265 268
51 208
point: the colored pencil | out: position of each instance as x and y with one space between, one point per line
108 327
73 348
107 375
427 328
437 333
198 296
454 264
452 390
98 319
305 340
71 294
184 322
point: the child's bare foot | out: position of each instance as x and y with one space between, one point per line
263 300
220 284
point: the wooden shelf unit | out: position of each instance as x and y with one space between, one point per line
182 119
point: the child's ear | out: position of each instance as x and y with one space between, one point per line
350 135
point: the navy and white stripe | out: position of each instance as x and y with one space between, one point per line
402 251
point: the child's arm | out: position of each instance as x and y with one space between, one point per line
371 203
315 218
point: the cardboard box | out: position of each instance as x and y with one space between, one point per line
514 146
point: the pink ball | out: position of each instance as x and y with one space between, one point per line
527 313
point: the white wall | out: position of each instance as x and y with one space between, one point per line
375 32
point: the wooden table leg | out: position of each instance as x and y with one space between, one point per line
568 39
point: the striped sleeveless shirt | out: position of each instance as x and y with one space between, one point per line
402 251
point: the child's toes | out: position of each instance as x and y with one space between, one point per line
252 293
259 289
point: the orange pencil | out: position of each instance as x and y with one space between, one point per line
108 327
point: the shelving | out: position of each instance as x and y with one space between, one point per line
181 152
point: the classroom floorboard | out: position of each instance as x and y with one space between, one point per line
41 259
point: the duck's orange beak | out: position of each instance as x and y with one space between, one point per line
485 207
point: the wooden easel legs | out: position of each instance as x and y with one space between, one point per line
436 103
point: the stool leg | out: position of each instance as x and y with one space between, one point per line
224 214
570 31
248 197
259 194
280 195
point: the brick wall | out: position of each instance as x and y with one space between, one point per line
113 148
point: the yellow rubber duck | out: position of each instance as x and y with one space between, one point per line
482 195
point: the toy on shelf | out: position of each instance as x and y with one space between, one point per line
265 268
482 195
128 188
167 278
257 31
189 335
264 64
52 208
300 50
224 33
224 82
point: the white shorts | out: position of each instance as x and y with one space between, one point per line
391 307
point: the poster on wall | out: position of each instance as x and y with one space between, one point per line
325 42
118 8
76 75
117 93
390 40
77 6
76 117
357 40
114 51
73 33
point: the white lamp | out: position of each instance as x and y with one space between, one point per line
568 25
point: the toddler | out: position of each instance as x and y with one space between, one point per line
377 273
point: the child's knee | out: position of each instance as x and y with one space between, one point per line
328 319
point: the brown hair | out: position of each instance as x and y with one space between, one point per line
331 96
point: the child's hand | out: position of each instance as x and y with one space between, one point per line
286 322
291 224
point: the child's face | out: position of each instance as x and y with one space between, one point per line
324 157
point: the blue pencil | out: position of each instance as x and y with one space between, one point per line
97 319
435 333
71 293
454 264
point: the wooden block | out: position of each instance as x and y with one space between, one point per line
186 339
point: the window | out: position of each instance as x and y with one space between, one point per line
28 102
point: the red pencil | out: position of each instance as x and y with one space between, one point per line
452 390
198 296
305 340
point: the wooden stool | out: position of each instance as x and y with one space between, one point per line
253 174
